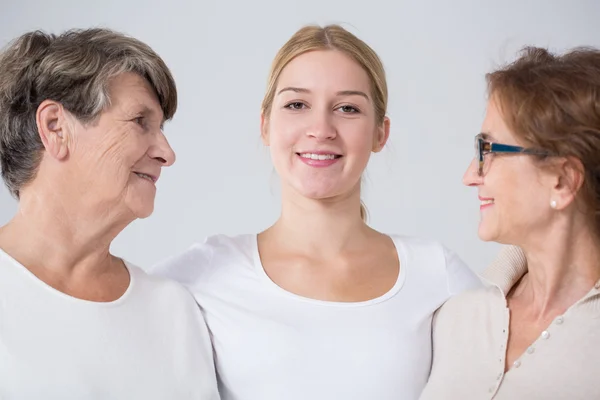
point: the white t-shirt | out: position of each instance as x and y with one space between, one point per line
271 344
152 343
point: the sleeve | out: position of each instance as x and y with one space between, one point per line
459 276
510 257
186 268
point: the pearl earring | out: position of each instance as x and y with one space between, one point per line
553 203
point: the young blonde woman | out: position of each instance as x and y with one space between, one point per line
320 305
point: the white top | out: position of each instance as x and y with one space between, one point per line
271 344
152 343
471 333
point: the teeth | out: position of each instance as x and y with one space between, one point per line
144 176
486 202
318 156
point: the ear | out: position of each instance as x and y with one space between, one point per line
381 135
568 179
264 129
53 129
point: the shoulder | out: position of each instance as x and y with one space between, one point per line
157 287
423 248
437 261
497 279
416 243
200 259
470 298
468 307
167 302
507 268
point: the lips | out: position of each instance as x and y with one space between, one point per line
319 159
486 201
319 155
147 176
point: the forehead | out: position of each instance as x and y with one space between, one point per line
129 91
494 125
324 69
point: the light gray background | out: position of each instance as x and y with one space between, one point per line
435 53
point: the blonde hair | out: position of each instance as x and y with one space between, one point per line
331 37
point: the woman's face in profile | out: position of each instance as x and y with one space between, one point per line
321 129
514 192
119 156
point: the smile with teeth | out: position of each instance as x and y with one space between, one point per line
487 202
313 156
144 176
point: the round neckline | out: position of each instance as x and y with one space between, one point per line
346 304
40 283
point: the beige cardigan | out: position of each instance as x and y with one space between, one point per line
469 345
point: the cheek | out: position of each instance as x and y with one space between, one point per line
282 154
520 197
282 140
103 143
358 139
115 151
283 136
125 147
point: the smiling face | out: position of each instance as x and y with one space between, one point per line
515 193
115 161
322 126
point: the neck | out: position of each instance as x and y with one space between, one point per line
322 227
59 233
563 266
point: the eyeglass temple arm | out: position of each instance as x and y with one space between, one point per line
507 148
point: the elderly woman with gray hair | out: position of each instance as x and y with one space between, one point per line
81 148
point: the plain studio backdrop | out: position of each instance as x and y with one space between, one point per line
435 53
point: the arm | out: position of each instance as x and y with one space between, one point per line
188 267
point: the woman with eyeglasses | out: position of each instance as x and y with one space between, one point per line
533 332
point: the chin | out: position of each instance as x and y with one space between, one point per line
486 234
312 191
145 212
140 203
318 194
141 210
325 189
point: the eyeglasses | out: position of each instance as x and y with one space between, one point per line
483 147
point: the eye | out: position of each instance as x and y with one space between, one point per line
295 105
140 121
347 109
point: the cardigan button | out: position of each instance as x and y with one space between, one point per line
545 335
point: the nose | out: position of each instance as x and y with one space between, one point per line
322 127
161 151
471 176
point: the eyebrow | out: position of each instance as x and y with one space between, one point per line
488 136
340 93
146 111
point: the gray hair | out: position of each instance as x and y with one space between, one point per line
73 68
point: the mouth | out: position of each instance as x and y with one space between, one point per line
319 159
485 202
319 156
148 177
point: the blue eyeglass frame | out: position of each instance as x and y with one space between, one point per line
484 147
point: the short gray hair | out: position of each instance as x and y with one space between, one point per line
73 68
